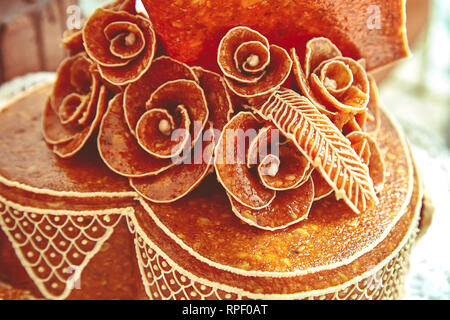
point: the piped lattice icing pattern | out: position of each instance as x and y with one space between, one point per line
54 248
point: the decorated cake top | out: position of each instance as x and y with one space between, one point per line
280 123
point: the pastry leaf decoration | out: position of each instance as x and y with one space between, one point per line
323 145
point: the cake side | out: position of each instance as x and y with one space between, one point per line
62 220
171 272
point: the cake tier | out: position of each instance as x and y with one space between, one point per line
335 253
65 218
76 231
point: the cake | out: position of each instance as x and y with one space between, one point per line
212 150
30 36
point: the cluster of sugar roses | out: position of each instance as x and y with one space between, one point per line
156 118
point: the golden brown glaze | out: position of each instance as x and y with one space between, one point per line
191 30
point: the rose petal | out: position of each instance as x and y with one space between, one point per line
189 95
116 70
181 179
293 170
367 148
336 76
70 148
259 147
305 88
73 41
230 163
72 107
317 51
321 187
123 5
289 207
219 101
53 130
352 100
229 59
276 73
126 39
157 143
162 70
120 150
71 78
252 57
372 124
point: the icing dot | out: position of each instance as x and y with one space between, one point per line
30 254
52 255
84 242
202 287
41 269
156 295
253 60
48 228
62 243
7 220
80 219
38 238
193 294
149 275
106 218
25 224
94 229
172 281
228 296
164 127
57 219
33 215
163 287
155 267
164 264
54 285
75 255
17 236
183 278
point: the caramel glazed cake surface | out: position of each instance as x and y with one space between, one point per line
81 219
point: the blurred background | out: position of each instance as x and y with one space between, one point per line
416 91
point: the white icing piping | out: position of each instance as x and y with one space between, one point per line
74 194
21 217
